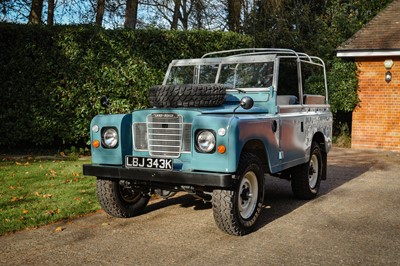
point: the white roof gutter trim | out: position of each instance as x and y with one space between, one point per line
344 53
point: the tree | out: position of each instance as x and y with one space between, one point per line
101 5
35 16
50 12
176 15
131 13
234 11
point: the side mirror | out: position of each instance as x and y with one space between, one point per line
246 102
104 102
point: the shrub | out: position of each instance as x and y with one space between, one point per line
51 78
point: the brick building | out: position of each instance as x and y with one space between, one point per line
376 51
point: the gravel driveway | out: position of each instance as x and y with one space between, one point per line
354 221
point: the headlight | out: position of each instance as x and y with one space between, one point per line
109 137
205 141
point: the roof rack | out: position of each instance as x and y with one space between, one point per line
259 51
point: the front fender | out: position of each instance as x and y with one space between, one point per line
115 156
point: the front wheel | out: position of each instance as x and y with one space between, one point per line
306 178
119 198
236 211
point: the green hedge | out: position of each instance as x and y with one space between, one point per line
51 78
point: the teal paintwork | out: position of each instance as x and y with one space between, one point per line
280 133
114 156
229 116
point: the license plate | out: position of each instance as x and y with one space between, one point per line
145 162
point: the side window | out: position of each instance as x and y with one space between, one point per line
313 84
288 89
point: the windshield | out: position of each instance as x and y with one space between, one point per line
233 75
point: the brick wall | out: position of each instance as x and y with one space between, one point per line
376 121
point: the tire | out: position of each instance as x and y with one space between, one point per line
234 211
306 178
187 95
118 199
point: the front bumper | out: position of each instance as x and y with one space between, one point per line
207 179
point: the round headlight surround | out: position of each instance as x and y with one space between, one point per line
206 141
109 137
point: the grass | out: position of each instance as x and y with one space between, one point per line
38 192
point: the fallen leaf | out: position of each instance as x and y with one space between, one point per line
27 164
25 211
11 187
37 194
78 199
75 174
22 218
47 196
17 163
15 199
59 229
27 173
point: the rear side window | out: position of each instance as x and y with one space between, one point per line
288 80
313 84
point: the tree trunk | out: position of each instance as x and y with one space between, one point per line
198 10
131 13
100 12
50 13
234 10
184 15
35 16
175 18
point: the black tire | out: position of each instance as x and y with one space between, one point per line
119 200
306 178
187 95
234 211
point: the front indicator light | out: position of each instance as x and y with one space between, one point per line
96 143
221 149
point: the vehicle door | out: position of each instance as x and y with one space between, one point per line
290 112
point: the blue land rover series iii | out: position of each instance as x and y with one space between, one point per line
216 126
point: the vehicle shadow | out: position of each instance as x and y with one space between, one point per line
182 199
343 166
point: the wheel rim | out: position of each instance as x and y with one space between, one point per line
129 195
313 171
248 194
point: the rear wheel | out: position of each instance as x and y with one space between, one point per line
236 211
306 178
119 198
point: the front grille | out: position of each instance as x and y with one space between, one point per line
163 135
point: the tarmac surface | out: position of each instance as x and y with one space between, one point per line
355 220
